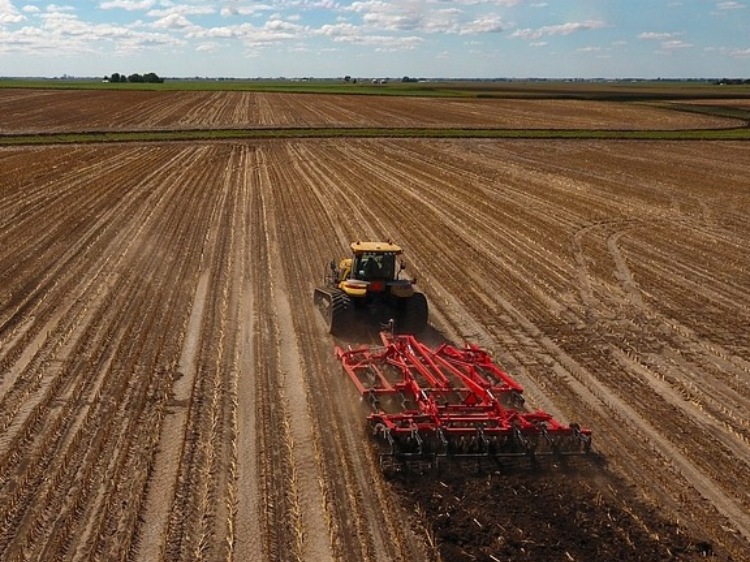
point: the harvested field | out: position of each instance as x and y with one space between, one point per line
34 111
168 392
740 103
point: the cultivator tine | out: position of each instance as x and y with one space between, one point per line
372 398
521 441
552 443
414 442
450 402
582 437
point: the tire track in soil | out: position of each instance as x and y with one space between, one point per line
176 215
365 514
571 371
247 520
694 466
312 542
68 464
203 504
661 378
277 483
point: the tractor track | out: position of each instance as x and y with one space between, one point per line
634 402
168 392
359 503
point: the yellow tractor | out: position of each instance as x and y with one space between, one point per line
368 288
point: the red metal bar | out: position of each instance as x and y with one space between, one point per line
453 392
473 359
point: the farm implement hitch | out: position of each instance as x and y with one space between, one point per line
450 402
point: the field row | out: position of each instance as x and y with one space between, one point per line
168 392
50 111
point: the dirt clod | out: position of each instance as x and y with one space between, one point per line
547 514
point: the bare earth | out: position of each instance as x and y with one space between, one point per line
34 111
167 391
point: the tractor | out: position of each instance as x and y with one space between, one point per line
369 288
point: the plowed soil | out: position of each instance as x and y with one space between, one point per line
168 392
34 111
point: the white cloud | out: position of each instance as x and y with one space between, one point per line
426 16
347 33
276 28
173 21
669 42
9 14
251 10
674 45
341 29
658 36
128 5
562 29
731 53
500 3
313 4
208 47
183 10
730 5
273 31
490 23
62 32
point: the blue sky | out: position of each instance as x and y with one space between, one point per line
378 38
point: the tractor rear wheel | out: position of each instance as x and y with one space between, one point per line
414 319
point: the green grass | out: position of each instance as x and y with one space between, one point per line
705 109
516 89
278 86
417 133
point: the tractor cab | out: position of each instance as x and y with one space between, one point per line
374 260
371 266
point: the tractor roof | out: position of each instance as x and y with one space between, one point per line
376 247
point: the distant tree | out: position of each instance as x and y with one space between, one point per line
732 82
347 78
152 78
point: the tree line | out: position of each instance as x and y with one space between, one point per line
150 77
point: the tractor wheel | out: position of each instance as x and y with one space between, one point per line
415 314
340 314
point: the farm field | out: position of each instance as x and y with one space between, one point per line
168 391
34 111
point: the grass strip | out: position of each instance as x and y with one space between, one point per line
416 133
622 90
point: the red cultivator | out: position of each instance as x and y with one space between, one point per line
429 403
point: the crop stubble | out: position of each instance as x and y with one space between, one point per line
168 391
38 111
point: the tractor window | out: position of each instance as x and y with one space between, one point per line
375 266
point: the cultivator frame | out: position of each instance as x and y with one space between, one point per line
432 403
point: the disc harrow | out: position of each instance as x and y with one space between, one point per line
450 402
